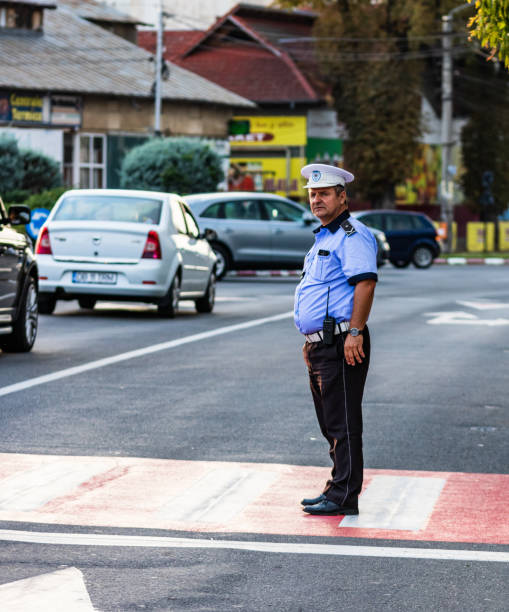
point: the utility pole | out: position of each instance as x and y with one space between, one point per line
446 187
159 65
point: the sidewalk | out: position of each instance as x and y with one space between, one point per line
450 261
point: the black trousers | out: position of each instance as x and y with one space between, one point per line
337 390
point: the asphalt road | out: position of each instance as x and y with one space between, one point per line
435 401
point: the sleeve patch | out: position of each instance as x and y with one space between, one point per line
348 228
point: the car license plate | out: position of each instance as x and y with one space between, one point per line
100 278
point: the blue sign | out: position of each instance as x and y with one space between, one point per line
37 219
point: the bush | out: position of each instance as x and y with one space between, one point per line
11 169
179 165
40 171
25 170
17 196
46 199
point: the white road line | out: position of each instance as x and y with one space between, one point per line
395 552
60 591
396 502
163 346
218 496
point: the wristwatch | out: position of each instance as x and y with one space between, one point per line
353 331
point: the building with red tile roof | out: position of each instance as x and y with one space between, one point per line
265 55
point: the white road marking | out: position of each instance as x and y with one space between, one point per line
396 502
484 305
163 346
461 318
395 552
60 591
33 488
219 496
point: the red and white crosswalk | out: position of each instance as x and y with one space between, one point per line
258 498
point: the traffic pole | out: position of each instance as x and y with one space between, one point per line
159 65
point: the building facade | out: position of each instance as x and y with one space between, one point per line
82 94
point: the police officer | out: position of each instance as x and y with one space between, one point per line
332 305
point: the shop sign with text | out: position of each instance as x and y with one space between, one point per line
21 108
267 131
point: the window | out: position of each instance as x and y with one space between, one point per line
21 17
68 159
421 223
375 221
109 208
92 167
236 209
192 227
399 223
281 211
216 211
178 217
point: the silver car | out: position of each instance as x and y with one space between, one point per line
118 244
254 230
260 230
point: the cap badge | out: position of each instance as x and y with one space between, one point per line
316 175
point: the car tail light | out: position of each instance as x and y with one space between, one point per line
152 248
43 244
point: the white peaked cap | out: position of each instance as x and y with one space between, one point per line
323 175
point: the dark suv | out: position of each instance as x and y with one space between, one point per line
18 283
411 236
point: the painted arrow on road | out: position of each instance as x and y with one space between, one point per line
60 591
483 305
462 318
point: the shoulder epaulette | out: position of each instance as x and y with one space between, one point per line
348 228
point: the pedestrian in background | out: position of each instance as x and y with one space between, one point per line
332 305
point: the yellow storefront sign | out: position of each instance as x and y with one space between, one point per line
270 173
263 132
503 235
480 237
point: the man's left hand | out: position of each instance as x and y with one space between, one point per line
353 350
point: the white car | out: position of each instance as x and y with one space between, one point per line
117 244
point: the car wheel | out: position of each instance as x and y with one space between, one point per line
206 303
169 305
223 260
47 303
422 257
400 263
24 329
87 303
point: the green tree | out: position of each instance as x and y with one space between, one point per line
40 172
485 137
490 25
179 165
374 56
23 171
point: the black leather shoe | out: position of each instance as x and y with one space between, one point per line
311 501
329 508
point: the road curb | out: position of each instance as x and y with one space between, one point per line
472 261
450 261
263 273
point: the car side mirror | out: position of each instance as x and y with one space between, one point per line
208 234
19 215
307 218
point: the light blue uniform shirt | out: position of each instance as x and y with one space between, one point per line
338 260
